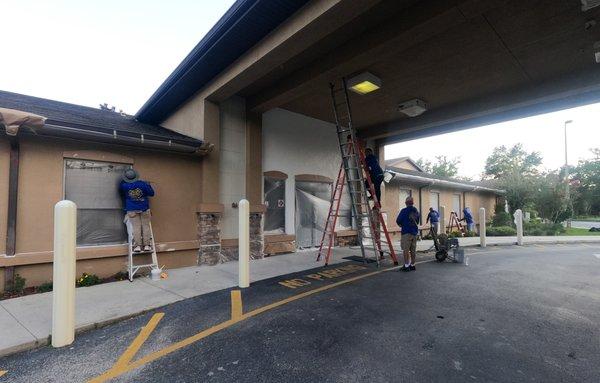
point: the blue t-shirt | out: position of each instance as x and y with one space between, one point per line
373 165
136 195
468 216
433 216
408 220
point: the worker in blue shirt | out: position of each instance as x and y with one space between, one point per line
468 218
434 218
408 220
135 193
375 172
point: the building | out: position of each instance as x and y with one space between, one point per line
429 190
256 89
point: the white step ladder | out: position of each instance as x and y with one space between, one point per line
131 267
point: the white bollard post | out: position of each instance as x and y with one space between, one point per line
244 244
63 278
519 223
482 227
442 220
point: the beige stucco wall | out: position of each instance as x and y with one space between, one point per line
176 180
189 118
474 200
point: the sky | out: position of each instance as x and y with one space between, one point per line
543 133
119 52
89 52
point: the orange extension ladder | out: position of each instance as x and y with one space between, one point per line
355 174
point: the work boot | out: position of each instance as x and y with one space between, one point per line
147 248
412 267
404 268
137 249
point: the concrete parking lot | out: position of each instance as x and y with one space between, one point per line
514 314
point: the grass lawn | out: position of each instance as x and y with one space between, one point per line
578 231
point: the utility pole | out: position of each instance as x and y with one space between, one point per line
567 191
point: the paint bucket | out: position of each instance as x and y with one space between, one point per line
459 255
155 274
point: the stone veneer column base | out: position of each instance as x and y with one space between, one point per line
257 242
209 235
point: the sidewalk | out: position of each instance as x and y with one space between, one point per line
26 321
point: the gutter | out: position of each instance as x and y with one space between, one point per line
122 138
431 182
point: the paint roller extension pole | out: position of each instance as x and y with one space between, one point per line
519 224
244 244
63 278
482 227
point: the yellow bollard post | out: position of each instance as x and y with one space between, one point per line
63 278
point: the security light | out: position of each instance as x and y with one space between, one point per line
413 108
364 83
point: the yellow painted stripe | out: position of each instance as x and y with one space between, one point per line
121 369
138 341
2 373
236 304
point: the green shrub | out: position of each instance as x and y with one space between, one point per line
455 234
537 228
45 287
88 280
121 276
501 231
18 284
471 234
502 218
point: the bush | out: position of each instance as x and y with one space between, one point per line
18 284
455 234
502 218
471 234
45 287
501 231
121 276
88 280
538 228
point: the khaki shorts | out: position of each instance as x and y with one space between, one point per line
408 242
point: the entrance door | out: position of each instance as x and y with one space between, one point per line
312 207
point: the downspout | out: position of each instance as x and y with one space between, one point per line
11 220
421 204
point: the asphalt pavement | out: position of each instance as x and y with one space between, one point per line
515 314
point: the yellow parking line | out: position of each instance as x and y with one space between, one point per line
236 304
119 369
138 341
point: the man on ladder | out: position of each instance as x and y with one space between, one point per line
137 206
355 173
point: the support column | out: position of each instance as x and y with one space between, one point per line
482 227
209 233
210 162
442 219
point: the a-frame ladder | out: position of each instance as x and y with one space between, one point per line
132 267
355 174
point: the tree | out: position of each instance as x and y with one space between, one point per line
585 185
442 166
510 161
549 198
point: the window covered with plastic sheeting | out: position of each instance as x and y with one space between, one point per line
275 202
94 187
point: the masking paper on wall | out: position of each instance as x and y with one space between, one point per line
312 208
94 187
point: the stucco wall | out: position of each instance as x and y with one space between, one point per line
176 180
189 118
232 163
295 144
4 165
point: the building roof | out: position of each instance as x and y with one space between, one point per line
429 179
393 161
242 26
70 118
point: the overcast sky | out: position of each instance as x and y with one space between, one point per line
89 52
94 51
543 133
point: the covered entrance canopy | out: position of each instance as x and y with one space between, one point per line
471 62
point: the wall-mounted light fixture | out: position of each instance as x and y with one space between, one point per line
364 83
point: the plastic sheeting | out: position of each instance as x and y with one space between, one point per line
94 187
312 207
275 201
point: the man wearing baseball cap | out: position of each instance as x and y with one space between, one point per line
408 220
136 193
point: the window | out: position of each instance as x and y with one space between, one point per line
94 187
434 201
456 204
404 194
275 202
